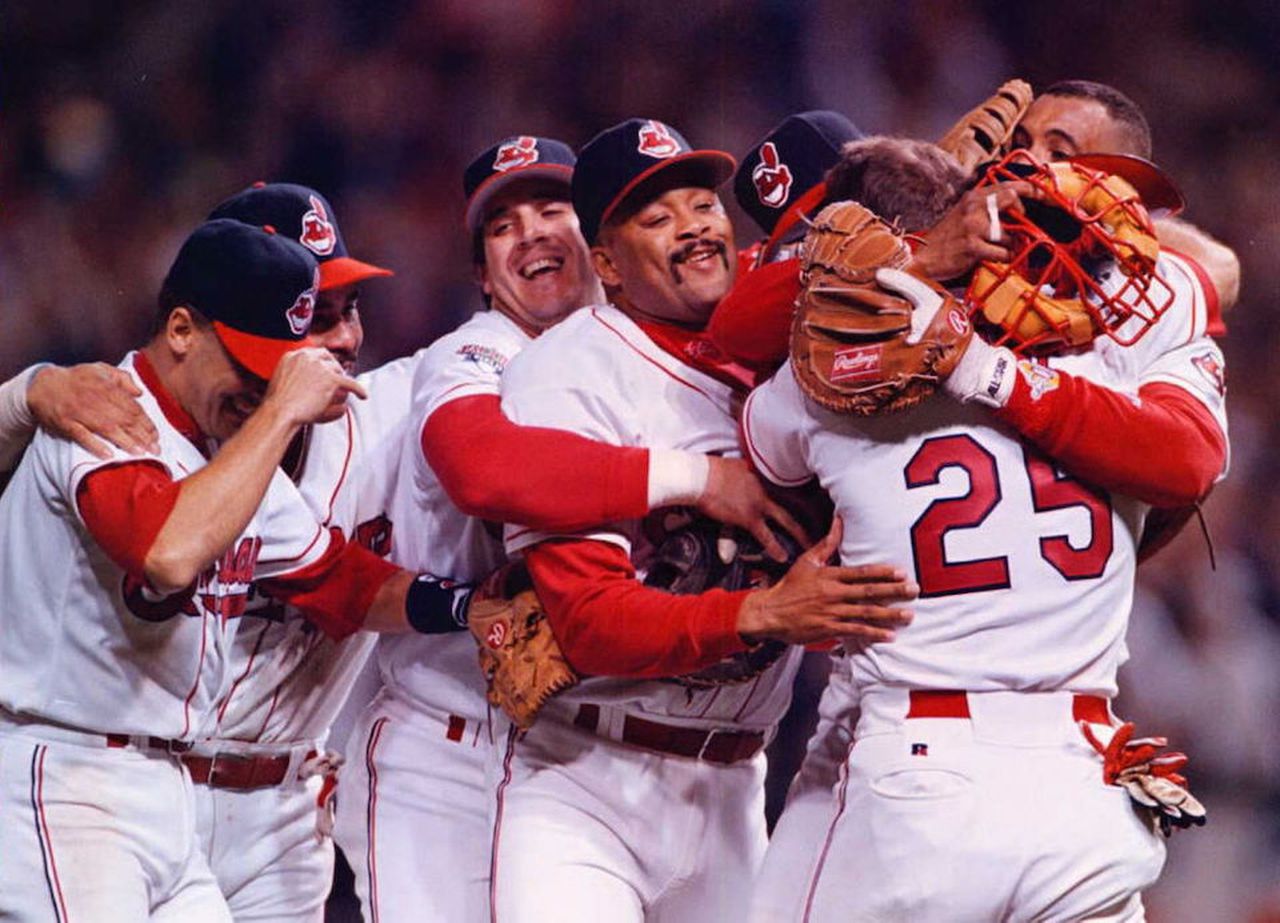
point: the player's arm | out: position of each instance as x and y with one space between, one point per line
1219 262
557 481
752 323
167 531
610 624
84 403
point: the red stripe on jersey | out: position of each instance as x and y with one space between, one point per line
46 843
371 817
320 533
124 507
263 628
346 465
1215 325
1165 450
178 418
195 682
541 477
610 624
335 591
756 456
647 358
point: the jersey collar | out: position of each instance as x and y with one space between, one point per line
178 418
695 349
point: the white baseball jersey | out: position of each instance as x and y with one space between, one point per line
599 375
81 646
1026 573
289 680
440 672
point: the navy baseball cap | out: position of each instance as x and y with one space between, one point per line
789 161
520 157
255 285
614 165
302 214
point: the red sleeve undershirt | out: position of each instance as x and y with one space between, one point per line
534 476
752 324
1167 450
609 624
335 592
125 506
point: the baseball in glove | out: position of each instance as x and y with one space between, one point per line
519 656
854 346
983 133
703 555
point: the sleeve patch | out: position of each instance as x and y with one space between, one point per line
1213 371
484 356
1040 379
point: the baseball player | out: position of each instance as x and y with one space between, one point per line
974 715
634 796
86 403
263 776
122 580
417 759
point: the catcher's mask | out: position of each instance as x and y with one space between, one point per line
1083 264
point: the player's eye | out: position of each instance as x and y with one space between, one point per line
498 228
554 211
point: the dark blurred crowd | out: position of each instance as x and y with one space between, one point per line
123 124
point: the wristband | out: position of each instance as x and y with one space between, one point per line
437 605
676 478
17 424
985 374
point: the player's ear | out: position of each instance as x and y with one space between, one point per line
481 272
180 330
602 262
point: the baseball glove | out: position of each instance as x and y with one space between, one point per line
853 349
703 555
983 133
519 656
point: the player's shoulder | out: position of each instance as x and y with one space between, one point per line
1179 290
489 340
576 349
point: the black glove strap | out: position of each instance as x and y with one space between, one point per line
437 605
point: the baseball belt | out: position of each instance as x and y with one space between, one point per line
953 703
712 745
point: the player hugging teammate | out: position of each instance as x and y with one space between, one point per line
945 408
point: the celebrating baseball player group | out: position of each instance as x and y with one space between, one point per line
926 426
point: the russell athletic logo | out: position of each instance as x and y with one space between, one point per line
855 363
772 177
318 234
656 141
518 153
300 313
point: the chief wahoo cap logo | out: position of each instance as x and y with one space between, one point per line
318 234
772 177
300 313
656 141
518 153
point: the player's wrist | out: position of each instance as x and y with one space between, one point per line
435 605
15 398
985 374
677 478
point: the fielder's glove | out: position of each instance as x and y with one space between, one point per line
858 347
704 555
519 656
1151 778
983 133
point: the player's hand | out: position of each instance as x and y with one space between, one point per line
91 403
735 496
308 384
815 601
970 232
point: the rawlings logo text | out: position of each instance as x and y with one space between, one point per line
856 363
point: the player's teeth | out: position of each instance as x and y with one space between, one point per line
538 265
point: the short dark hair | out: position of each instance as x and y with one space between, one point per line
908 183
165 303
1120 107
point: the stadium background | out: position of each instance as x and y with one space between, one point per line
122 124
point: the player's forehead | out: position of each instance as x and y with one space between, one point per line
674 197
1076 120
535 192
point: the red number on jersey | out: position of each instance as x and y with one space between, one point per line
1049 491
937 575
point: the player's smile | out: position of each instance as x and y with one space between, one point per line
700 256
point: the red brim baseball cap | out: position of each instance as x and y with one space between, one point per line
1157 189
260 355
347 270
518 158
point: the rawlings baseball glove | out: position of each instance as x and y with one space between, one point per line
983 133
703 555
519 656
853 345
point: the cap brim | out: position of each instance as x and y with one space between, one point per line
1154 185
344 270
720 165
559 172
259 355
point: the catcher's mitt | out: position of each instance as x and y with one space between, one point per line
983 133
704 555
852 348
519 656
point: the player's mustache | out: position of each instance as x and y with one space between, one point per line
682 255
